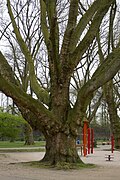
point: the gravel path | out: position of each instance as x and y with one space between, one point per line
106 170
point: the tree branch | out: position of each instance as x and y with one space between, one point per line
86 18
105 72
46 118
73 12
6 70
90 35
40 92
44 26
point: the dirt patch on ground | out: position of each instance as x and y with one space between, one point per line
105 170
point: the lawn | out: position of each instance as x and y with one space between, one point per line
20 144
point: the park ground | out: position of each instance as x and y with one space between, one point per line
11 169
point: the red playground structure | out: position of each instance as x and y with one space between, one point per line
88 139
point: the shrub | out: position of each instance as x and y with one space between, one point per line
11 126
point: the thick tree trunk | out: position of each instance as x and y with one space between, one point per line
114 118
61 148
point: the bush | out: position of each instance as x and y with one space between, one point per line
11 126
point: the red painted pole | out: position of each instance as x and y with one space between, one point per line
88 140
85 138
92 140
112 143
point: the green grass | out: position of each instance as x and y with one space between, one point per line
22 150
20 144
59 166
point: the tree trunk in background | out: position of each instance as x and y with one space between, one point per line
29 140
114 118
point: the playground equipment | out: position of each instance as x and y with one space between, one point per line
109 157
112 143
85 127
88 140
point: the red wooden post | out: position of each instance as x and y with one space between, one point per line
88 140
85 137
112 143
92 140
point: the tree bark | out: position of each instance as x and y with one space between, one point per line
61 148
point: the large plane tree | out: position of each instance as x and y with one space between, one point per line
68 29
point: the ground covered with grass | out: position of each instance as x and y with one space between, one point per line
59 165
20 144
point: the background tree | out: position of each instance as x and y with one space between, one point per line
67 35
109 93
